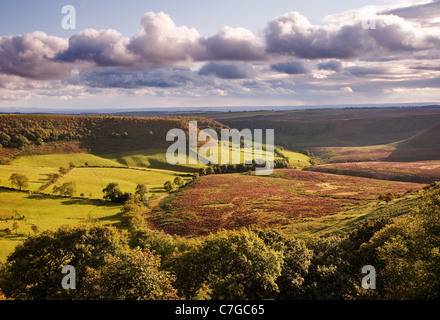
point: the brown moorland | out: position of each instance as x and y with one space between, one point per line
233 201
418 172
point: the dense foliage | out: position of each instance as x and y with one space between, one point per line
245 264
96 133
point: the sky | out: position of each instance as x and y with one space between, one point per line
135 54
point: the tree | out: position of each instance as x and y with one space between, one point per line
72 165
15 226
4 139
63 171
35 229
297 259
54 177
157 241
19 180
135 275
407 251
67 189
133 209
2 296
142 192
178 181
33 270
232 265
210 170
114 194
328 275
168 186
19 141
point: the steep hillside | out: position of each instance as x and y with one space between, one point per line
351 127
96 134
423 146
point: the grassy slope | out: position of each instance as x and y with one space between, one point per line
47 213
349 218
356 134
63 160
93 180
38 176
296 159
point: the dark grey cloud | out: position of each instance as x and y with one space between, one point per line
429 68
157 78
332 65
293 67
364 71
228 71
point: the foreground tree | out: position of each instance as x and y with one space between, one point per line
229 265
33 270
407 252
132 276
296 261
106 267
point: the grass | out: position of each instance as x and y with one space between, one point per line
47 213
63 160
348 219
91 181
38 176
149 158
296 159
354 154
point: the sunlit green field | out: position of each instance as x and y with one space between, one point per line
91 181
47 213
149 158
296 159
63 160
37 176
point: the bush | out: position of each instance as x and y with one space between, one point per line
386 197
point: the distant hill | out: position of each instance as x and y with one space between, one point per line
423 146
347 127
91 133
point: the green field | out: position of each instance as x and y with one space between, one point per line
149 158
296 159
38 176
47 213
91 181
63 160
